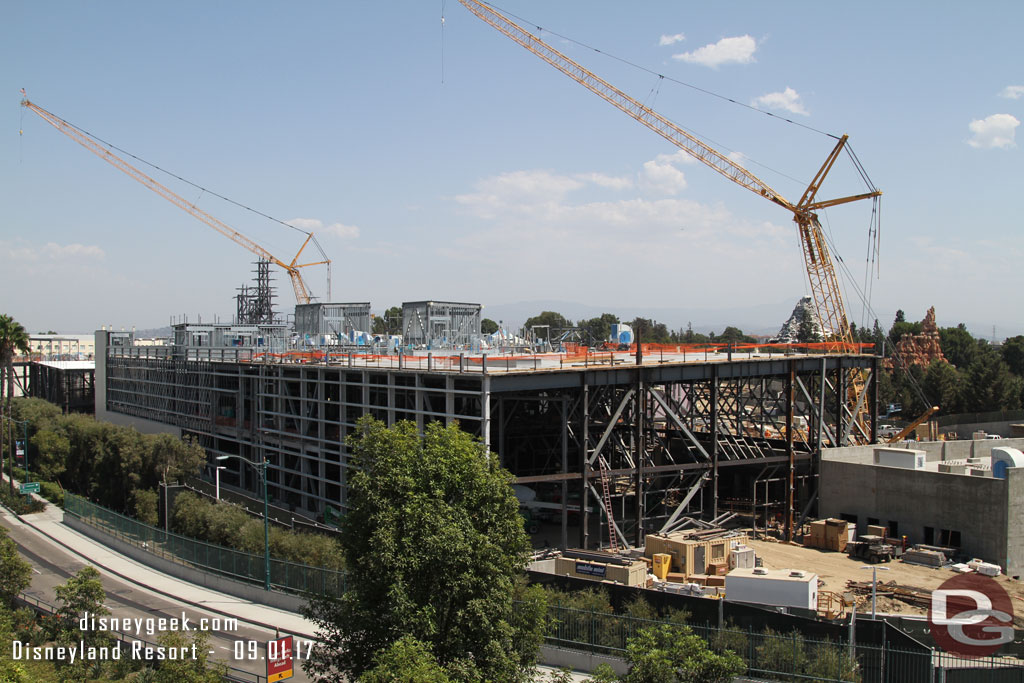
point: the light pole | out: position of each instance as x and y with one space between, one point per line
14 451
217 476
874 585
261 469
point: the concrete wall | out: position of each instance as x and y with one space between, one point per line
974 506
1014 565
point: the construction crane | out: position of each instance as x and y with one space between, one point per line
825 293
293 268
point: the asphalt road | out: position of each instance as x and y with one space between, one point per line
53 565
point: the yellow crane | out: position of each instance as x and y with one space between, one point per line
828 300
302 294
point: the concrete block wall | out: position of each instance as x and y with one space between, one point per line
974 506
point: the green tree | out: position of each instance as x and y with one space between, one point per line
406 660
488 326
806 332
554 321
15 573
389 323
82 593
674 654
958 346
170 458
1013 354
990 384
13 340
433 543
944 386
734 335
598 330
188 669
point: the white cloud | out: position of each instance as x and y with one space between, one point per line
995 131
671 40
341 230
74 251
22 252
736 50
662 177
602 242
787 100
317 225
511 191
1013 92
605 181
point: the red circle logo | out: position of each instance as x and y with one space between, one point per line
971 615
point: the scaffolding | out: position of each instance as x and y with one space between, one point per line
331 323
441 324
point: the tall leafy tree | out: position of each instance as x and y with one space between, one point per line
488 326
944 386
390 322
13 340
991 385
598 330
1013 354
958 345
554 321
433 544
15 573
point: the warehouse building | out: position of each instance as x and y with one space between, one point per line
967 495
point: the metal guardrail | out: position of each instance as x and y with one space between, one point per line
233 674
286 576
786 656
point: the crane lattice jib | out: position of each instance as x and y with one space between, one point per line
650 118
302 295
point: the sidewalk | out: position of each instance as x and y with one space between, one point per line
49 523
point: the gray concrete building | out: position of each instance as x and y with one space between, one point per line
954 496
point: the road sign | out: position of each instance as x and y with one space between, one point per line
279 659
30 487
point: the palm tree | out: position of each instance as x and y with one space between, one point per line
13 338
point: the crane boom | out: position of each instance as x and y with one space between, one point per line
302 294
826 295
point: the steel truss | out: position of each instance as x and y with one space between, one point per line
680 442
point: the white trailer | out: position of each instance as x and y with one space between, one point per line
777 587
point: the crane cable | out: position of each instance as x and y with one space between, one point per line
655 73
195 185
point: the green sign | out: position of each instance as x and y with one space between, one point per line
31 487
332 516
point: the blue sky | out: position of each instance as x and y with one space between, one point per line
442 161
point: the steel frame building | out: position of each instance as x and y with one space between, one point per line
441 324
681 437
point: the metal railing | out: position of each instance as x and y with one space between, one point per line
287 576
786 656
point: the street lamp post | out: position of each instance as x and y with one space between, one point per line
14 450
217 476
261 469
874 585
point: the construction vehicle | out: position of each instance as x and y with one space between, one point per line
872 548
302 293
828 300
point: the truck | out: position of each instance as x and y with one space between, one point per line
872 548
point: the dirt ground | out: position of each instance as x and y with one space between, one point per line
835 569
